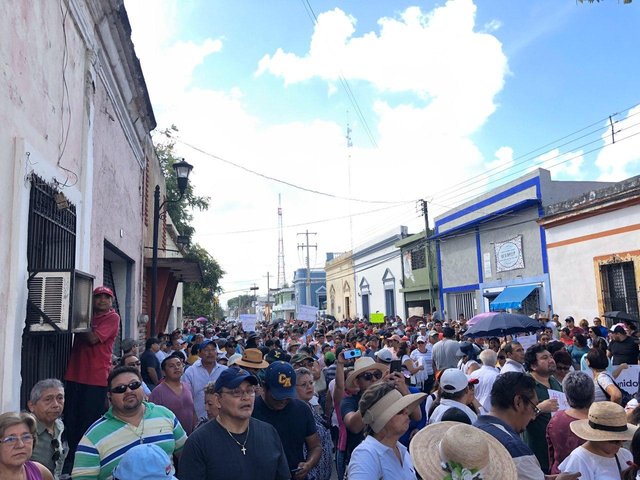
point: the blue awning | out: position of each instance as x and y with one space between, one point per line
512 297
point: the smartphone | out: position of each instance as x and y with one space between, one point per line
353 353
295 470
396 366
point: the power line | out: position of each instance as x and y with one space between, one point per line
284 182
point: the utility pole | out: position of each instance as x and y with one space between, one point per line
307 246
425 212
268 298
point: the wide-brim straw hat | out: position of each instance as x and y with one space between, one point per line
463 444
391 404
606 422
252 358
363 364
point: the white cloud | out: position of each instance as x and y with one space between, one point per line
562 165
424 147
620 160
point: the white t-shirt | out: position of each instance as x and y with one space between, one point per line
602 380
595 467
371 460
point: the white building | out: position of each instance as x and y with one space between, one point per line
593 245
378 275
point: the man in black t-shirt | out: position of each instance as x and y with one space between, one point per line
150 366
234 445
623 348
292 418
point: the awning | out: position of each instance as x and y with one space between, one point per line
512 297
183 269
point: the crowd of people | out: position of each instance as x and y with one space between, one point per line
341 399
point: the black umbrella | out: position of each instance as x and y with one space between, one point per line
621 315
278 321
328 317
502 324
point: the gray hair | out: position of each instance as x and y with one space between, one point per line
39 388
579 389
488 357
303 371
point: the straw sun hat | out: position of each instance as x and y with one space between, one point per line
391 404
442 444
363 364
606 421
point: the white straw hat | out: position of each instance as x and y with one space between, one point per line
384 409
444 443
607 421
363 364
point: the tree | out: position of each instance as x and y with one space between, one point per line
199 298
240 303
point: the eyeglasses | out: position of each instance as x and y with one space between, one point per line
12 440
305 384
123 388
133 364
55 445
535 408
239 393
368 376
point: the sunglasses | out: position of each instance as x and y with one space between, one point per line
123 388
368 376
55 445
536 410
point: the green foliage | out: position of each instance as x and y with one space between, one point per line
178 211
241 302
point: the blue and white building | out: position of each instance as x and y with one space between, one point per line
492 253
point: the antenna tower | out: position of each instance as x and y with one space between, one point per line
281 274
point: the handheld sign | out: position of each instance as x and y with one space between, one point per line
248 321
377 318
307 313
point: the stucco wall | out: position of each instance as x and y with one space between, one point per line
458 260
571 267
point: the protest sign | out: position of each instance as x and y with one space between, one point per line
377 318
248 321
628 379
561 397
307 313
526 341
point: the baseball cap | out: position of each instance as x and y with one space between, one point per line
330 356
453 380
144 462
277 354
619 329
299 358
421 339
232 377
384 356
433 333
280 378
103 291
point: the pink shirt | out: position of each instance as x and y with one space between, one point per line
180 405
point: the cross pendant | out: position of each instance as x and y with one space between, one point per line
244 450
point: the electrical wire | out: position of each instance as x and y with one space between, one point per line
284 182
344 82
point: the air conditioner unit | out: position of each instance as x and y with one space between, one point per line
49 292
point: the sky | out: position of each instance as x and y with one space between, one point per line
351 111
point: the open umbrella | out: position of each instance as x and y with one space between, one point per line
499 324
328 317
621 315
476 318
278 321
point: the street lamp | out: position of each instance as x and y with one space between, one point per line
182 170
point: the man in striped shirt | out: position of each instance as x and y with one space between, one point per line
129 422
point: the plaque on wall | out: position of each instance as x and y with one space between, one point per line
509 254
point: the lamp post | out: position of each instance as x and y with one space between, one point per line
182 170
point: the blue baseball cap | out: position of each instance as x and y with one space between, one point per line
280 378
232 377
144 462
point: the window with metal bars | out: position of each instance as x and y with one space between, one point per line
418 259
619 287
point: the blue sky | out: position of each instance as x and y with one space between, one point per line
448 90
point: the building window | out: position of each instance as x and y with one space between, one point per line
390 302
619 287
418 259
462 302
365 305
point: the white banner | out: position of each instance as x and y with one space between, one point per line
509 254
628 379
248 322
307 313
527 340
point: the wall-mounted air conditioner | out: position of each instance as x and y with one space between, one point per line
49 293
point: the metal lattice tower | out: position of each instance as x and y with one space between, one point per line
281 274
